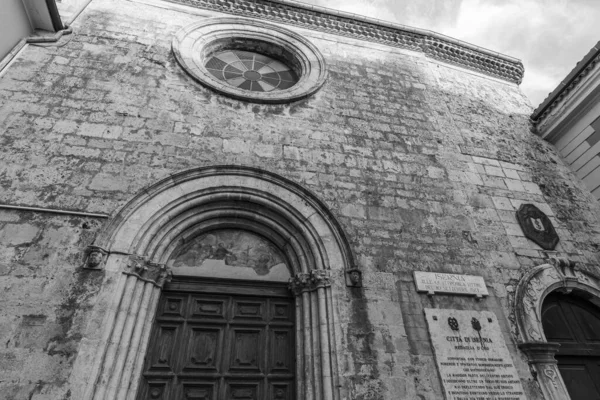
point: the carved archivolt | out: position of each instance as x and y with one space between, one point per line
561 275
138 243
537 284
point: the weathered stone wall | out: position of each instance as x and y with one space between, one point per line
423 164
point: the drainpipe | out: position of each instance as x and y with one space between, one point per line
54 15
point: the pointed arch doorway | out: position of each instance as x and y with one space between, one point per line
574 323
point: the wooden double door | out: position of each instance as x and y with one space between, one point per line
575 324
221 341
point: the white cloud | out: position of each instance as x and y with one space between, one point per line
379 9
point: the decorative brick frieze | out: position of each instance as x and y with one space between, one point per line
435 46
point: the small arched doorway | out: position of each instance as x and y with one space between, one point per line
225 324
574 323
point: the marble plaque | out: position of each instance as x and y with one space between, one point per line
472 357
432 282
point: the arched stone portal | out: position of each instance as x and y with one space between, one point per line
139 240
561 275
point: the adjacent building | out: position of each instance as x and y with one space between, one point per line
570 119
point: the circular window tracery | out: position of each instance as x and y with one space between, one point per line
250 60
251 71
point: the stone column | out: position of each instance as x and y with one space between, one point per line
129 330
541 358
314 352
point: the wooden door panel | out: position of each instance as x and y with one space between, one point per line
209 308
199 390
249 310
280 311
236 390
281 360
163 355
155 390
203 350
556 326
281 390
579 381
221 346
246 350
173 306
574 323
589 323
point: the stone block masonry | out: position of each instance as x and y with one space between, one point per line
424 164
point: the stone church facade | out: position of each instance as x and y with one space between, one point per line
233 199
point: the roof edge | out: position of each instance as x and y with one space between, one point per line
571 81
433 44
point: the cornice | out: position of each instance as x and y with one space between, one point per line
566 89
432 44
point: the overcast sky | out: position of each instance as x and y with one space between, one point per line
549 36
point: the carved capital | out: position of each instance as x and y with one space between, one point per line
540 352
321 278
94 257
545 368
300 283
138 266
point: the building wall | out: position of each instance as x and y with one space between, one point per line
15 25
423 164
579 147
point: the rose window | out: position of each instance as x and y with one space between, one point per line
251 71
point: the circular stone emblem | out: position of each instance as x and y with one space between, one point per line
250 60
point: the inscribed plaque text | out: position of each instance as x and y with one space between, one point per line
432 282
472 357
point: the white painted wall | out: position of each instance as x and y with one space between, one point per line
14 25
580 147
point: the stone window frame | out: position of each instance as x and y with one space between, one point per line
563 276
193 44
138 241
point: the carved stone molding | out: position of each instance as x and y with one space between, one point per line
94 257
126 329
110 359
321 278
540 352
300 283
543 363
354 277
147 271
193 46
561 275
313 17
